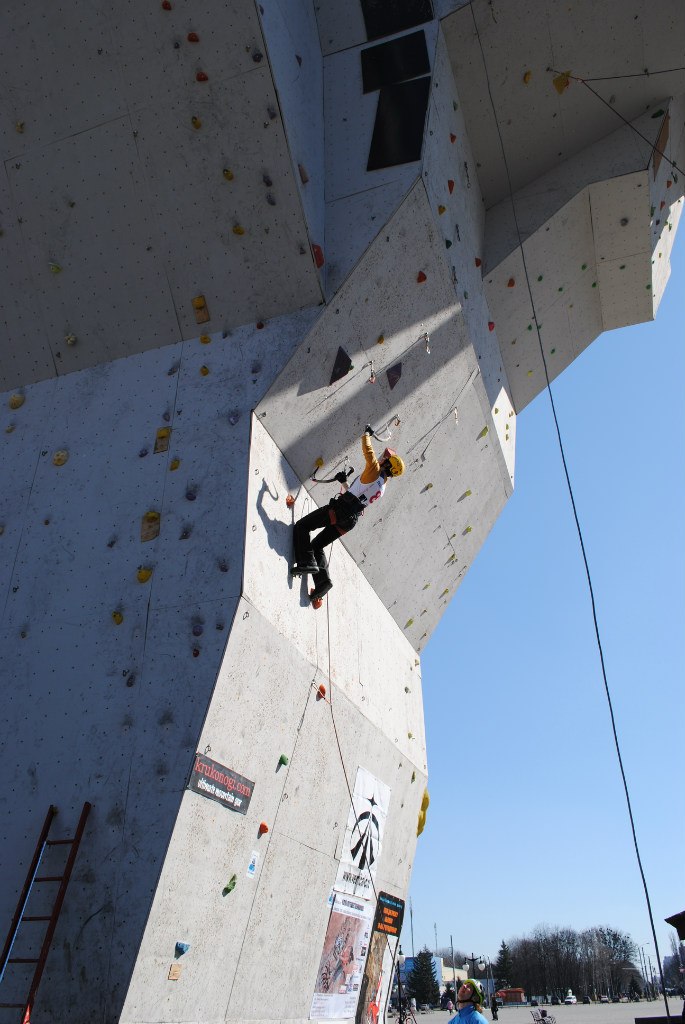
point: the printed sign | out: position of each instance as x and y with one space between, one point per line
389 914
363 835
345 947
213 780
252 866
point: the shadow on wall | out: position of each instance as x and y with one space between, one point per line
280 537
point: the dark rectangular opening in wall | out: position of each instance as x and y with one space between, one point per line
396 61
386 17
400 119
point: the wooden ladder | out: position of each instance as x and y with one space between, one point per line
21 916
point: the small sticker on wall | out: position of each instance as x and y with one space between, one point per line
252 866
174 972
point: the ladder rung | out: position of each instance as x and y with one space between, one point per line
22 960
47 918
49 878
59 842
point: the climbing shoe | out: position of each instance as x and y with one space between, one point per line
303 570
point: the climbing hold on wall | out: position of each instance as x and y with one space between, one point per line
162 440
196 652
230 886
228 174
422 813
238 229
453 138
144 573
19 127
441 209
445 591
482 433
181 948
166 5
204 371
464 532
55 267
304 177
193 37
16 401
205 339
150 526
174 464
341 366
421 277
321 692
198 629
491 325
478 261
263 828
191 494
561 82
201 76
450 186
283 759
196 122
511 283
668 183
117 617
393 374
408 623
584 266
410 735
60 457
448 243
70 340
317 252
466 494
289 500
380 340
527 75
413 774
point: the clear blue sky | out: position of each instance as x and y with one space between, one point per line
528 821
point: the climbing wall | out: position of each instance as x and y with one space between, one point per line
301 746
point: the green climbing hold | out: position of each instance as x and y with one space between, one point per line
448 244
230 886
622 267
648 287
560 289
283 759
539 277
594 284
408 623
584 266
482 433
658 113
552 351
530 327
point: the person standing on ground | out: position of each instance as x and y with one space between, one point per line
493 1006
341 514
470 1003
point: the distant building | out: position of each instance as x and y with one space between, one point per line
511 995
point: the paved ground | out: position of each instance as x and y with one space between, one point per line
595 1013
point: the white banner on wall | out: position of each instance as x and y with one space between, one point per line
363 836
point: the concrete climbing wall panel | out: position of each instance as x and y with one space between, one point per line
392 297
302 751
291 37
666 190
116 638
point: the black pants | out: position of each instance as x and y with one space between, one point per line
333 521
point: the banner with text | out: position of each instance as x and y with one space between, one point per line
336 991
213 780
363 835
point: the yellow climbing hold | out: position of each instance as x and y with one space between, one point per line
174 464
422 813
319 463
204 370
441 209
196 122
482 433
445 591
408 623
527 75
60 457
238 229
54 267
426 586
562 82
144 573
468 529
150 526
380 340
16 401
466 494
205 339
228 174
117 617
410 735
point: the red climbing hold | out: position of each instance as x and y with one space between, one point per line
453 138
166 6
491 325
259 325
316 603
478 261
668 183
511 282
318 255
193 37
321 692
421 277
289 500
201 77
662 204
450 186
263 828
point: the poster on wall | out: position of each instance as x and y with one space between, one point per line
363 835
387 925
336 991
216 782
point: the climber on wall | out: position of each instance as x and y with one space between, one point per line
341 514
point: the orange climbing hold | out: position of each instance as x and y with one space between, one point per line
289 500
511 282
263 828
478 261
321 692
421 277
